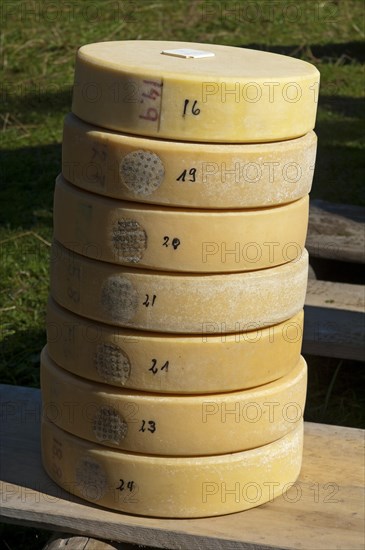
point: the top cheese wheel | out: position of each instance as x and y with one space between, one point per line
220 94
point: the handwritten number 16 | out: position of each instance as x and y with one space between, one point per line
194 109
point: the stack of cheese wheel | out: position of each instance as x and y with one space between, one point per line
172 380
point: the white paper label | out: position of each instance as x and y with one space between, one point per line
187 53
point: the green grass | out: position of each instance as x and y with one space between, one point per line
37 53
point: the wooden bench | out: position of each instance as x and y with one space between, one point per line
334 312
334 320
336 231
323 510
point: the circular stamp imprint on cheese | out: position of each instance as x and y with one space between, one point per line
91 478
119 298
112 363
129 240
109 425
142 172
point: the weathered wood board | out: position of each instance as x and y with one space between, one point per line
63 541
334 320
323 510
336 232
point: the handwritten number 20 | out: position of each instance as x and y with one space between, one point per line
175 242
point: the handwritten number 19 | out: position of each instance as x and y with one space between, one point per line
185 173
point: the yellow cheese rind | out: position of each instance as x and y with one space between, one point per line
239 95
174 239
170 424
195 175
173 302
170 486
155 362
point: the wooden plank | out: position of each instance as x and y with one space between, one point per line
334 320
349 211
336 232
343 296
323 510
69 542
334 333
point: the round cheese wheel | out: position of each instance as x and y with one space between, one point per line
195 175
173 239
173 302
234 95
180 487
170 424
157 362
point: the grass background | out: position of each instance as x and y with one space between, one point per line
38 42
